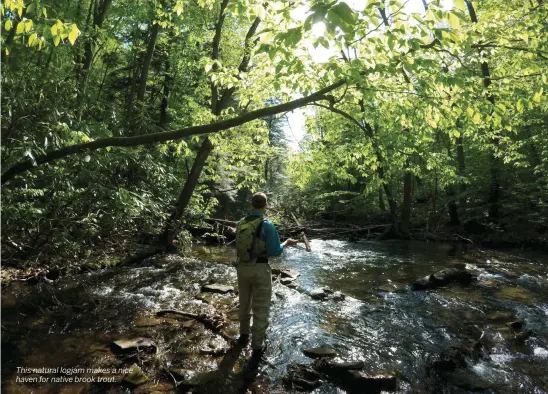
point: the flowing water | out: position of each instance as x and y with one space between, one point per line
381 322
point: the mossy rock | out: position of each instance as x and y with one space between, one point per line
135 376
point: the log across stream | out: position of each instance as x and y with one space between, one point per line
161 321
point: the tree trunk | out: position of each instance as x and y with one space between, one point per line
165 97
146 62
382 206
188 190
452 205
494 161
99 15
462 172
406 207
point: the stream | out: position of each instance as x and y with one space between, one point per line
72 323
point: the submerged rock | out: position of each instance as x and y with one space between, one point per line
127 344
500 316
135 376
317 352
217 288
515 294
442 278
466 380
362 382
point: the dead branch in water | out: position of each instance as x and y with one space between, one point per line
215 323
303 235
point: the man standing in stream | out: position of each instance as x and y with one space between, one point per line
256 240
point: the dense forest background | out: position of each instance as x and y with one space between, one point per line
122 118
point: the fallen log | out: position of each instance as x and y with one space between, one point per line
225 222
214 323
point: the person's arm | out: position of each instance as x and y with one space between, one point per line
272 240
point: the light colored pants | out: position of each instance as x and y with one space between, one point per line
255 291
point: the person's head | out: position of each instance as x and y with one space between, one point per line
259 202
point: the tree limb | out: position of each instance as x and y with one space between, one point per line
27 164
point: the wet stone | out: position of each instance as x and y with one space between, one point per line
511 275
442 278
135 376
217 288
126 344
319 294
285 273
317 352
287 281
338 296
361 382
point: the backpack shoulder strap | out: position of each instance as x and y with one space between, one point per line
259 227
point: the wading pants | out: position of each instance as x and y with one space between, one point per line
255 290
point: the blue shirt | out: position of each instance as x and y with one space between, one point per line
270 236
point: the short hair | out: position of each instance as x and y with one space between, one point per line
258 200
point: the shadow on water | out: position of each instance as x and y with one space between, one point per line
380 322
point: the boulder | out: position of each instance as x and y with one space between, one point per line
317 352
442 278
135 376
318 294
133 343
217 288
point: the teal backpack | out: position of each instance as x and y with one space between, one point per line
248 232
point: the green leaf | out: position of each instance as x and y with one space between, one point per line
459 4
470 112
20 28
32 37
454 21
536 97
477 118
8 25
344 12
74 33
456 133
